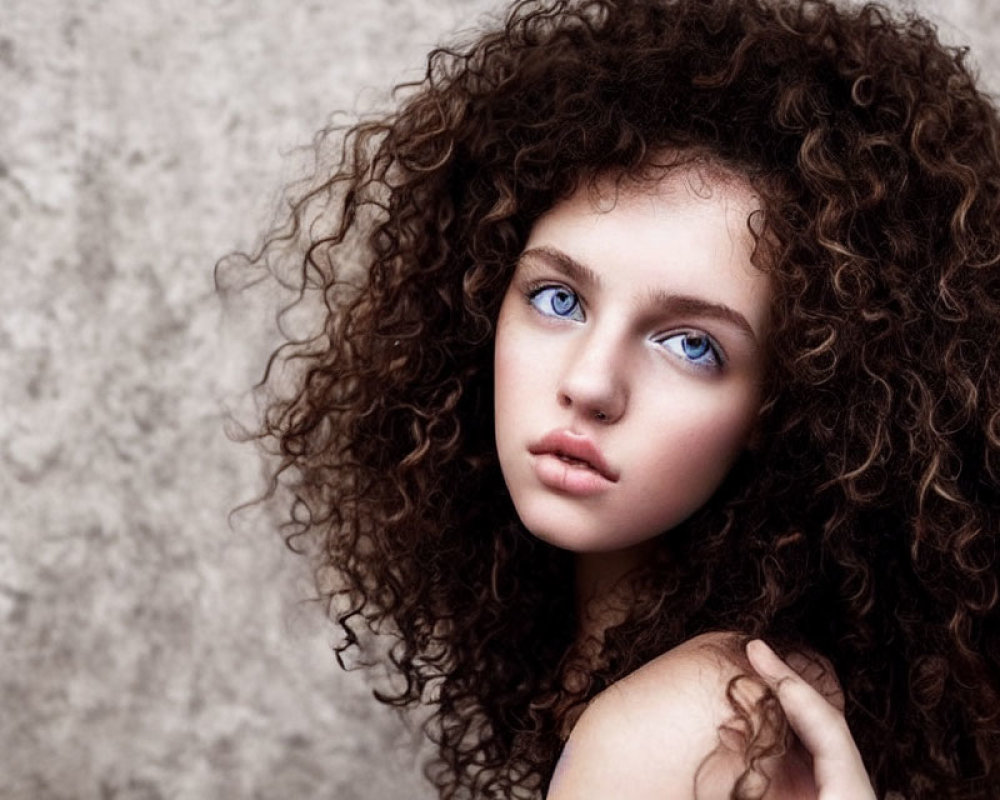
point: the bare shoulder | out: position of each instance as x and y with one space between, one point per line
667 730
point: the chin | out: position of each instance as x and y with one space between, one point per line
577 535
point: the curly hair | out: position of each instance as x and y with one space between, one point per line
863 526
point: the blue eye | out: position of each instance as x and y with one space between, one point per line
695 348
557 301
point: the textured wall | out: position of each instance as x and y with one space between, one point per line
150 651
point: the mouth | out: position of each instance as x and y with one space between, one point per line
576 451
576 462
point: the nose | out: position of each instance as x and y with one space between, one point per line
593 384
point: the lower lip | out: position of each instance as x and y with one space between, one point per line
575 479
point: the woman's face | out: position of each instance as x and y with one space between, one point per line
629 356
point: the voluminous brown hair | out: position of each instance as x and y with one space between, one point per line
863 525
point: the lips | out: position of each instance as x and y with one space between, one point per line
575 450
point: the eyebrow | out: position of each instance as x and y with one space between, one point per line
672 303
569 266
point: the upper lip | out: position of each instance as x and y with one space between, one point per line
574 445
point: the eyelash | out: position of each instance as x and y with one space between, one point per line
718 360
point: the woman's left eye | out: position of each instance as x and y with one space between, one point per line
557 301
696 348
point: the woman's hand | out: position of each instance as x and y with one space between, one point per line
837 766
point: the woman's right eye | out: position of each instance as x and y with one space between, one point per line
557 301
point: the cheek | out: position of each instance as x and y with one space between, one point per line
696 449
522 367
720 436
517 373
504 363
508 376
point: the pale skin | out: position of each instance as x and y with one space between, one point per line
628 362
666 731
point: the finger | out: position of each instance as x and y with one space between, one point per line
810 715
820 726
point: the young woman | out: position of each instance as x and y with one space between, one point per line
646 329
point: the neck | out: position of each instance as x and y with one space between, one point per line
603 598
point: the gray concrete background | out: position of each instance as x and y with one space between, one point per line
149 650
